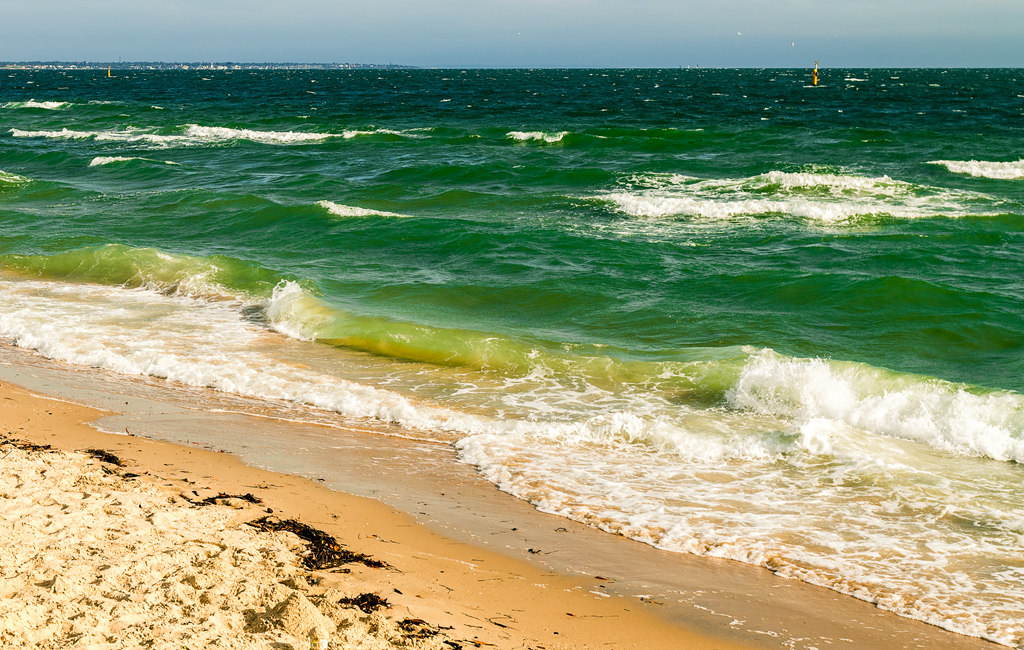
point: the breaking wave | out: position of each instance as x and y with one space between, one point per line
984 169
950 417
108 160
131 136
195 134
536 136
265 137
216 277
340 210
825 198
50 106
7 178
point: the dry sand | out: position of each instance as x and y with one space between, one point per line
93 554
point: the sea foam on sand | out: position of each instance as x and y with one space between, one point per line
93 558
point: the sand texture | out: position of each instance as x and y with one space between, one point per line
118 541
104 559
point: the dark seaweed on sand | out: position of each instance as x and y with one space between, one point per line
248 496
21 444
323 551
369 603
417 628
104 456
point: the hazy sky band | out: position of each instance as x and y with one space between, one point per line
524 33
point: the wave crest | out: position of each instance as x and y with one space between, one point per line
107 160
940 414
984 169
49 106
196 134
815 196
212 278
8 178
103 136
264 137
536 136
340 210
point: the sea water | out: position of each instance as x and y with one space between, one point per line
723 312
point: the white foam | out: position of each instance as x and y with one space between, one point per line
834 183
355 133
196 134
64 133
193 342
135 136
667 206
984 169
13 179
294 313
50 106
219 133
541 136
340 210
940 414
103 136
833 473
820 197
107 160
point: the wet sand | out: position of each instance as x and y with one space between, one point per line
476 564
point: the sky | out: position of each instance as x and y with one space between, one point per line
523 33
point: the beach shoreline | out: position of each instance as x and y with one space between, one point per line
474 597
592 583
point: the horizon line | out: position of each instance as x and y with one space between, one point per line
347 64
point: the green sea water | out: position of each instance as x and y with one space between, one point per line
721 311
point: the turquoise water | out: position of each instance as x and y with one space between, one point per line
720 311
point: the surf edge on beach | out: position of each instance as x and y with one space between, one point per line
92 509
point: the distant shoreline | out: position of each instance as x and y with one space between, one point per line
194 65
231 65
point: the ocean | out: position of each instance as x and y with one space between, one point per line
722 312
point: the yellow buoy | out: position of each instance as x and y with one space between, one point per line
815 73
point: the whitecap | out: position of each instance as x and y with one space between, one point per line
12 179
355 133
984 169
65 134
47 105
832 182
815 196
943 415
265 137
107 160
340 210
102 136
537 136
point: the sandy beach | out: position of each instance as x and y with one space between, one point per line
136 549
124 541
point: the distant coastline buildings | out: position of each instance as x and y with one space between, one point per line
163 65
